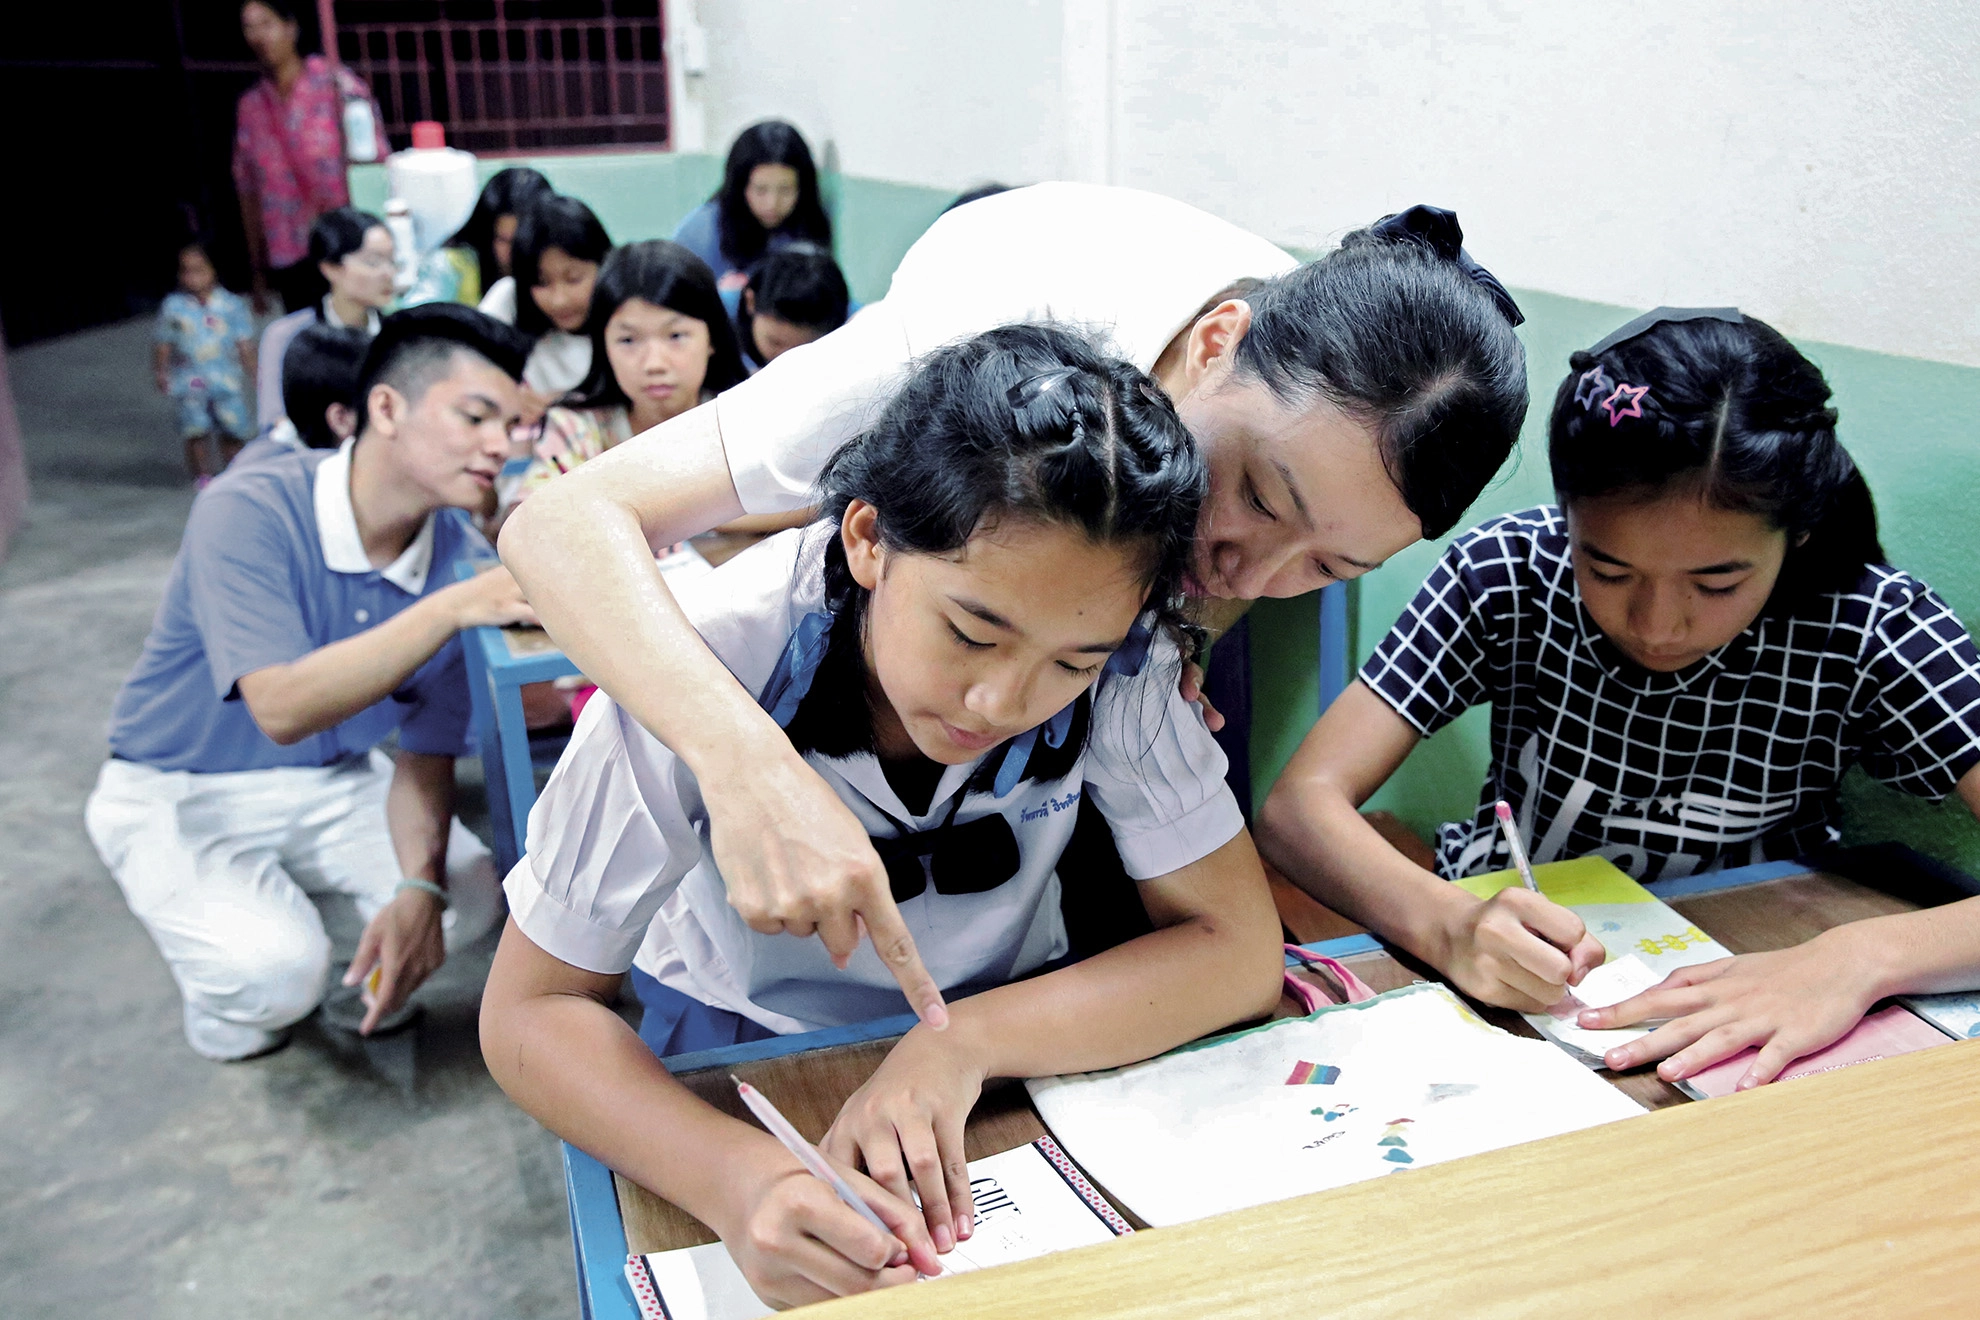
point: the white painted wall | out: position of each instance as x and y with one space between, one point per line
940 92
1816 162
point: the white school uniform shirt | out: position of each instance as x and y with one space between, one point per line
1133 266
617 870
559 362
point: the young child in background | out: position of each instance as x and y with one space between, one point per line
558 247
660 344
769 197
1683 658
905 642
202 356
353 253
795 295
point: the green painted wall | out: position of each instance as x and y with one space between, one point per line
644 194
1907 423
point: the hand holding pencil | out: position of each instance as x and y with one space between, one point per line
815 1231
1518 949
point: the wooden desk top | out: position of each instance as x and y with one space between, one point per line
1847 1193
810 1087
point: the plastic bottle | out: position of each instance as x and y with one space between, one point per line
437 184
360 131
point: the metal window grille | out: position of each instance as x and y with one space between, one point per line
512 75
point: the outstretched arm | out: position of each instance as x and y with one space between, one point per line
795 860
1517 949
321 690
1795 1001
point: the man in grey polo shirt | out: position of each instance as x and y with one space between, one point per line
311 612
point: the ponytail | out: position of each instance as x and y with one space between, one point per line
1402 331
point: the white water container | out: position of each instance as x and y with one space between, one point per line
437 183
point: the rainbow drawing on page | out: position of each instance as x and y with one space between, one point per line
1313 1074
1393 1138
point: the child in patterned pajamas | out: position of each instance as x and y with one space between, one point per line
203 358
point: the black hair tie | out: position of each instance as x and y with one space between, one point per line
1437 229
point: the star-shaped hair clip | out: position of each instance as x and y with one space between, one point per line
1594 383
1634 408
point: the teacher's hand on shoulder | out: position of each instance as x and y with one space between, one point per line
796 861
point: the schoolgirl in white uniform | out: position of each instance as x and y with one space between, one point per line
977 635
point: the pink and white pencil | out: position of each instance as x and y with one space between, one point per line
807 1154
1511 831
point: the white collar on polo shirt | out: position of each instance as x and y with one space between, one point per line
337 529
330 317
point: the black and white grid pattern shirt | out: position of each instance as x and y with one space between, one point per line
1735 759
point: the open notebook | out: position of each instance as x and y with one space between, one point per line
1646 940
1029 1202
1350 1092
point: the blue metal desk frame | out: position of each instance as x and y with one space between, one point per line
496 675
598 1233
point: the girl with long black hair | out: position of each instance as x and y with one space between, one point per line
769 197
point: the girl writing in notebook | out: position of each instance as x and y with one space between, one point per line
978 633
1683 657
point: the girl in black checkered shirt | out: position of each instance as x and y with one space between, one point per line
1682 659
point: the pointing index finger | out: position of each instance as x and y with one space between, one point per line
895 946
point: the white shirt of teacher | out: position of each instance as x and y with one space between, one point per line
1132 266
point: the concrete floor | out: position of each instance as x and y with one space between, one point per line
328 1180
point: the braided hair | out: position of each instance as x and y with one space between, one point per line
1028 421
1725 405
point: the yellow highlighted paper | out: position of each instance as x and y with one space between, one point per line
1574 883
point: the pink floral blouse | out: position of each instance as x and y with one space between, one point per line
290 154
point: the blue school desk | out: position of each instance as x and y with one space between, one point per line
499 662
598 1231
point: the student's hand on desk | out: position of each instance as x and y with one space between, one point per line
907 1122
797 1242
1788 1003
1519 949
796 861
405 943
490 597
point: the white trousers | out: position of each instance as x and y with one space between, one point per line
226 872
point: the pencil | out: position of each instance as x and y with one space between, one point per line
1511 831
807 1154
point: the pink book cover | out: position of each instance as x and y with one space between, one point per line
1889 1031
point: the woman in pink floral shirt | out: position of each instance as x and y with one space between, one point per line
289 151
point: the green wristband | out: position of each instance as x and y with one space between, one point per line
424 887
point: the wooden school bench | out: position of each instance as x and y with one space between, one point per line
1731 1189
